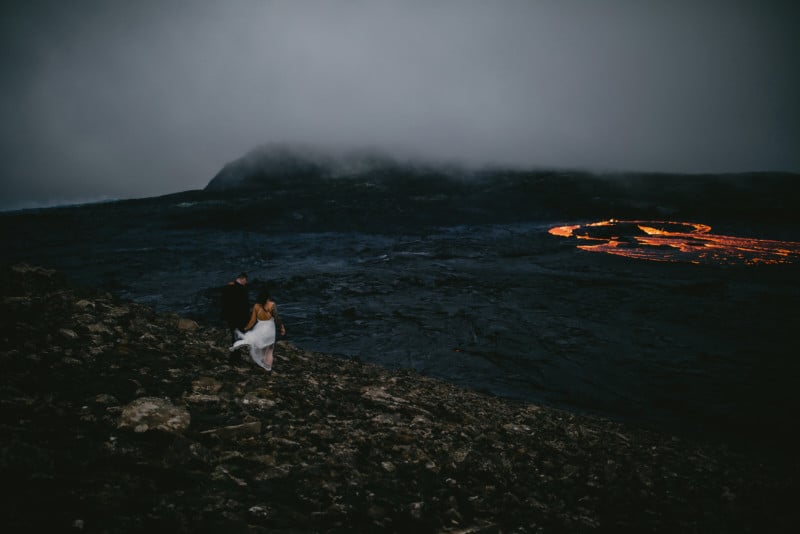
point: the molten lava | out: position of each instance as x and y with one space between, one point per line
677 241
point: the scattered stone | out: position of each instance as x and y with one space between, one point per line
236 432
25 269
200 398
187 324
98 328
104 398
67 333
204 384
85 305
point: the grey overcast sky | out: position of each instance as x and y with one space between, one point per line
119 99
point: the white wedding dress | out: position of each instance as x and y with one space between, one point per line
258 338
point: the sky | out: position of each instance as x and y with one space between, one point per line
120 99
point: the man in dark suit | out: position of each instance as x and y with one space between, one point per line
235 305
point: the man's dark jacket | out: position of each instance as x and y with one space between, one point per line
235 307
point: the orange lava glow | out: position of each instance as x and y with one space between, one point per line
677 242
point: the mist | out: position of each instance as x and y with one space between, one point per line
131 99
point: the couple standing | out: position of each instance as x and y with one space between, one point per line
257 332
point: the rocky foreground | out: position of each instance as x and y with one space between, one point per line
115 419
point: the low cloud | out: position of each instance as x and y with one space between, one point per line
136 99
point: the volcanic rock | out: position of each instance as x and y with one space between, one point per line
151 413
115 419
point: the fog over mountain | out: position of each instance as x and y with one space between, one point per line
132 99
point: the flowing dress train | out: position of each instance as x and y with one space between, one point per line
259 339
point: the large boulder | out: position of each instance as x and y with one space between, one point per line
153 413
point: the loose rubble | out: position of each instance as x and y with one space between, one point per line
116 419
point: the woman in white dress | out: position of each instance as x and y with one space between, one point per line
260 331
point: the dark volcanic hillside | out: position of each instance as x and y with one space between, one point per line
284 189
301 189
279 189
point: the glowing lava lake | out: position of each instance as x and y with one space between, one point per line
677 242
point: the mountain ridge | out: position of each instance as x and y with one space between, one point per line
271 164
317 189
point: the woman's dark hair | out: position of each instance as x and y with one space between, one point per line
263 296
